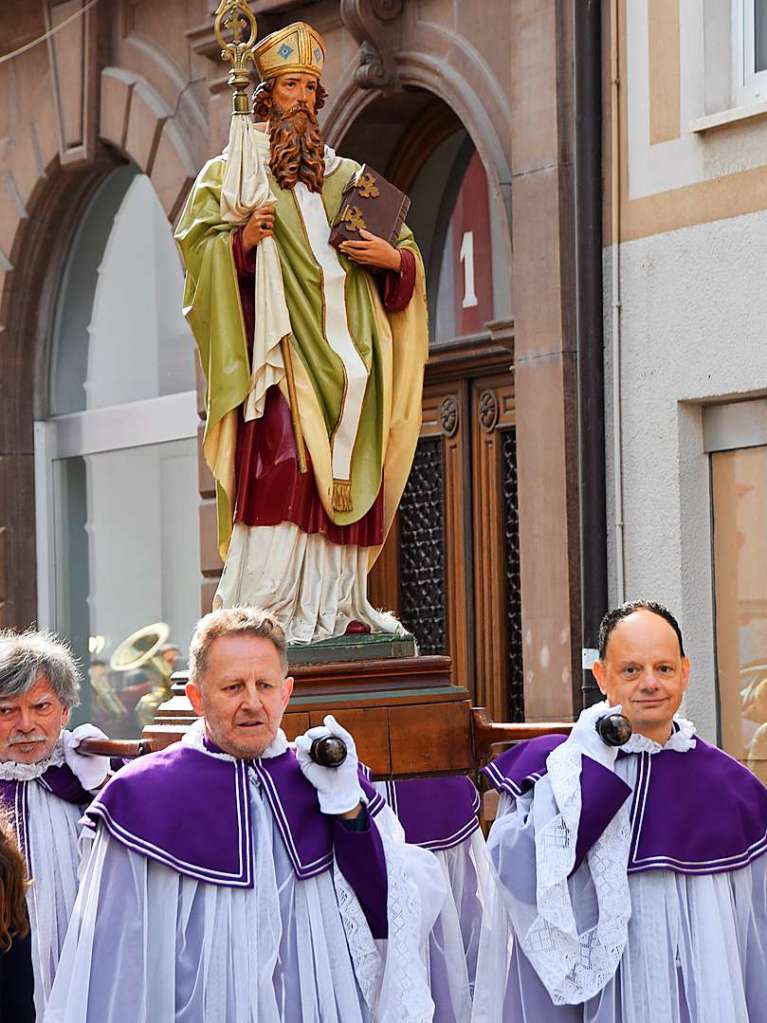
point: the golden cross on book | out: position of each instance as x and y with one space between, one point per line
352 217
367 187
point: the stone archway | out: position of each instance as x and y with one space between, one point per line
139 124
460 93
135 124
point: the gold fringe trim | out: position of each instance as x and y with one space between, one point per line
342 495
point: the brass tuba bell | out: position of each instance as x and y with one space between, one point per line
141 650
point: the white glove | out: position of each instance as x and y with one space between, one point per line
588 740
91 772
338 788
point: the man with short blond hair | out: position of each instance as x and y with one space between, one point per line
44 783
631 882
254 884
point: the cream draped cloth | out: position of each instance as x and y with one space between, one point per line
245 188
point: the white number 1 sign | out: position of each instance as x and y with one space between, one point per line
466 256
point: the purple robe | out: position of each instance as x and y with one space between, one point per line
692 825
167 805
672 826
60 781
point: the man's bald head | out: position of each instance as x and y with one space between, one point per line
642 667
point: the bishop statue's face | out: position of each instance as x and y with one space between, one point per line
243 694
295 90
643 670
296 148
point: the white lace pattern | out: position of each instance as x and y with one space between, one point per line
574 967
393 977
682 739
366 957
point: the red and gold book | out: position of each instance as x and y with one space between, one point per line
369 203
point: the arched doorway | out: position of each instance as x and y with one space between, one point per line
451 566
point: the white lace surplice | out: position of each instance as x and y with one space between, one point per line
52 859
148 944
693 949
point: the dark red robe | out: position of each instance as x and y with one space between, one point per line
270 488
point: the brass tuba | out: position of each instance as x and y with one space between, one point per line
142 650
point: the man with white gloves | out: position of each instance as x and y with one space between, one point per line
631 883
232 878
44 784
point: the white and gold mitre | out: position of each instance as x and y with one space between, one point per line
296 48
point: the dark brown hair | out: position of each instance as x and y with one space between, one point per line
614 617
13 886
296 148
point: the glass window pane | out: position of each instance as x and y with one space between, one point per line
127 555
119 334
760 35
739 491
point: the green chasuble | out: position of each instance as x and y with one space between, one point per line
364 397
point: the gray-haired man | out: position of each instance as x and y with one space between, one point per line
45 783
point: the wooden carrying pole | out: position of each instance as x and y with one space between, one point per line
237 17
486 733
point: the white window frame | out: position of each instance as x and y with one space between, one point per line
134 424
748 86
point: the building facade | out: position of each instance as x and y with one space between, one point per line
685 229
106 516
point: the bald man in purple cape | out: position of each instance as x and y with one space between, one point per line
233 879
631 884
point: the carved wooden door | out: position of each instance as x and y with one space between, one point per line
450 569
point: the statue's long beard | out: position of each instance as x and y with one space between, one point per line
297 152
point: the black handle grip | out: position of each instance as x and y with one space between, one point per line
328 751
614 729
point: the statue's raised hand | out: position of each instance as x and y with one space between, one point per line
260 226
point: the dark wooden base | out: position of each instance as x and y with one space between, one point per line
405 714
407 717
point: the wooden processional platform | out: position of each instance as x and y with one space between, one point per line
406 715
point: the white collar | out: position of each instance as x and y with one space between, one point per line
196 733
10 770
681 740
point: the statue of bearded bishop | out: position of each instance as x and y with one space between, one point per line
313 356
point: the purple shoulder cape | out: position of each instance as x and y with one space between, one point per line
191 811
697 812
436 813
61 781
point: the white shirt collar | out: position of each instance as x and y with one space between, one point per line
682 739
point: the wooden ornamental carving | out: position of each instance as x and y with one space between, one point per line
448 415
488 410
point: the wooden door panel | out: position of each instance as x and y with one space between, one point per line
496 550
433 526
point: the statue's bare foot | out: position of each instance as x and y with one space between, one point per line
354 627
